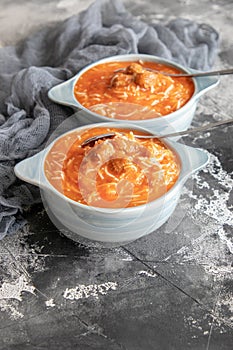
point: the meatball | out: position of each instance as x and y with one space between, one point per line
117 166
145 79
134 68
121 80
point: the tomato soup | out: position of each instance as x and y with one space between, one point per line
124 171
114 89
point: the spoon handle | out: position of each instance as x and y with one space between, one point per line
191 75
202 74
208 126
197 129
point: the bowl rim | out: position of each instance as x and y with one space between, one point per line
129 58
163 198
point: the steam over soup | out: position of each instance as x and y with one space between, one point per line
113 173
133 83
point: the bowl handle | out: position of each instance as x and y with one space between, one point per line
194 159
63 93
30 170
204 84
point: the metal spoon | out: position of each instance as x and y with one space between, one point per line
191 75
202 74
209 126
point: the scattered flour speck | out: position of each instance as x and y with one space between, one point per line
50 303
16 258
13 290
82 291
147 273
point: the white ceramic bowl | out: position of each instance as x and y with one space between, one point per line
110 225
173 122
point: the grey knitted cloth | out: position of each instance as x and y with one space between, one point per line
54 54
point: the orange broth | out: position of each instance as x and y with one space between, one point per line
105 84
120 172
